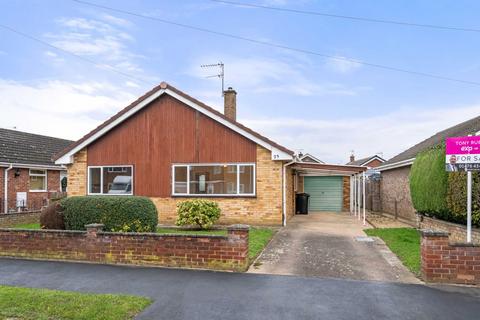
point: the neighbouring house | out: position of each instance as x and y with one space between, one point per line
28 175
171 147
307 157
395 185
370 162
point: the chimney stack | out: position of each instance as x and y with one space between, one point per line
352 157
230 103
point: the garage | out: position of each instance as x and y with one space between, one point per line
326 193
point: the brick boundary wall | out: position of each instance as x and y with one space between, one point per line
192 251
457 232
446 262
8 220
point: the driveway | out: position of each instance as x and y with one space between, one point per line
330 244
189 294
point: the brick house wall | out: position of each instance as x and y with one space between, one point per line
395 194
346 194
19 181
374 163
263 209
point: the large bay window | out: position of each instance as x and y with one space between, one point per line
213 179
38 180
110 180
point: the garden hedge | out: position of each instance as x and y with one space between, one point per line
457 198
117 213
428 182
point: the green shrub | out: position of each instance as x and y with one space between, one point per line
51 217
428 182
203 213
457 198
117 213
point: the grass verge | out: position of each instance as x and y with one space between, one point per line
43 304
404 242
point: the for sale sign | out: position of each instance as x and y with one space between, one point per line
463 153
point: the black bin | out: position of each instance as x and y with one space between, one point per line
301 203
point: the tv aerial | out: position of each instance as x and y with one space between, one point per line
220 75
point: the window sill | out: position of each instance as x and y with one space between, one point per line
37 191
109 194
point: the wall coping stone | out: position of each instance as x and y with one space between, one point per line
433 233
239 227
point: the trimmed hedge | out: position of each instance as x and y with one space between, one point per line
117 213
428 182
457 198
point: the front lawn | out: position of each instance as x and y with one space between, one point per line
259 237
404 242
43 304
33 226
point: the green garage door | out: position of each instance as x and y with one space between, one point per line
325 193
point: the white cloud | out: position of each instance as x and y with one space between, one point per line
341 65
390 133
105 41
57 108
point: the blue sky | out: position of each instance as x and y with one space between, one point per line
319 105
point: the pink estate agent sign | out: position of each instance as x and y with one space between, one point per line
463 145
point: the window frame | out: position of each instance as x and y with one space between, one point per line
45 181
214 195
101 180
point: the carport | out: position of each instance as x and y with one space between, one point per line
332 187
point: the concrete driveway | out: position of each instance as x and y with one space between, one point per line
330 244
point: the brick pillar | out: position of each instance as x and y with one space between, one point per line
93 229
433 246
238 238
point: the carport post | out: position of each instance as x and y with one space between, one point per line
351 194
358 196
354 195
363 182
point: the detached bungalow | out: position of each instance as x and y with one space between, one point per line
27 173
395 184
170 147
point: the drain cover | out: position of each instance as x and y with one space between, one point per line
364 239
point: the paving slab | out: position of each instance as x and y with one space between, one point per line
330 244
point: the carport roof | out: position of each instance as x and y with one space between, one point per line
328 168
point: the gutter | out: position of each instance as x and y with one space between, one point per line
399 164
284 202
33 166
5 210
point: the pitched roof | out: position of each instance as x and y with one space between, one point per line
167 88
363 161
28 148
465 128
307 157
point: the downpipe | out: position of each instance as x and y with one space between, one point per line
5 209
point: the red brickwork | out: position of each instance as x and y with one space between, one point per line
449 263
211 252
456 232
19 181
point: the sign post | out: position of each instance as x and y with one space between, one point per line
463 154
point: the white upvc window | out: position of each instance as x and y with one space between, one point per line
38 180
110 180
213 179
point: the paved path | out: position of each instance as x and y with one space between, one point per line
188 294
324 245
